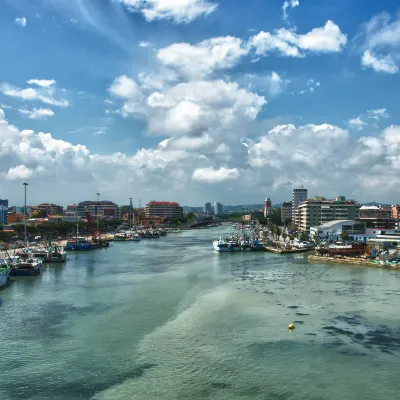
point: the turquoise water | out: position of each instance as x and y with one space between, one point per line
172 319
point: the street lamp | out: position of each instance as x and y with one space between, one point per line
25 240
130 213
97 214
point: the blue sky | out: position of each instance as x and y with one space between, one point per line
199 100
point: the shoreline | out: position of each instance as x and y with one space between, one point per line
352 261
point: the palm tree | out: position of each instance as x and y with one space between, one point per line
284 236
316 238
345 235
291 237
278 232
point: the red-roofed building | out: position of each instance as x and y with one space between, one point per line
164 209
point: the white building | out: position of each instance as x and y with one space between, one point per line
286 212
298 196
217 208
70 216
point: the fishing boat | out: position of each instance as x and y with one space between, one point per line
4 273
257 245
122 237
225 246
25 265
56 255
245 245
136 238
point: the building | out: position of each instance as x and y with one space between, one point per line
318 211
217 208
104 209
267 206
247 217
3 211
207 209
298 196
286 212
163 209
377 217
70 216
72 207
50 209
15 218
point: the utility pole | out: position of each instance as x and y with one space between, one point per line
97 214
130 213
25 238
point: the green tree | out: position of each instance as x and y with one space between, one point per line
278 232
291 237
275 215
345 235
316 238
284 236
304 237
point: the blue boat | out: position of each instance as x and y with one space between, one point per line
82 244
257 245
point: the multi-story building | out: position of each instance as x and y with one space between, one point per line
318 211
104 209
3 211
217 208
377 217
70 216
267 206
298 196
50 209
164 209
207 208
286 212
72 207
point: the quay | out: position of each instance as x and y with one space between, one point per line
362 261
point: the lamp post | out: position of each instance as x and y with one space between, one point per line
97 213
25 239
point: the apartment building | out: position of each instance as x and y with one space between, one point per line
319 211
164 209
104 209
286 212
377 217
298 196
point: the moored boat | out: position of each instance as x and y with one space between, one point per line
4 273
25 265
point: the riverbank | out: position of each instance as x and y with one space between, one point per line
351 260
278 250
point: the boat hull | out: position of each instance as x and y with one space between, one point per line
25 271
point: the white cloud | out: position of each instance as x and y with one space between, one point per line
180 11
41 82
19 172
382 64
45 94
212 175
289 4
100 131
378 113
203 58
357 123
21 21
124 87
144 44
326 39
276 84
37 113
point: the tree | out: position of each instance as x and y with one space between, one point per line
284 236
304 237
345 235
316 238
291 237
274 216
278 232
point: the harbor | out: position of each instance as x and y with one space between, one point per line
123 320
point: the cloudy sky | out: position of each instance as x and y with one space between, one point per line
199 100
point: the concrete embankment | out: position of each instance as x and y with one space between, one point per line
285 251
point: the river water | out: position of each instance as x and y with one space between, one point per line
172 319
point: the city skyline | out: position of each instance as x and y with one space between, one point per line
209 100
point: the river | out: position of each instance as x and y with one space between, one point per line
170 318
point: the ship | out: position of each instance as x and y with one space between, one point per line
4 273
25 265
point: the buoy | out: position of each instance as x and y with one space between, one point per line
291 326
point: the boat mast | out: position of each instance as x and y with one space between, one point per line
77 232
25 237
139 213
97 215
130 213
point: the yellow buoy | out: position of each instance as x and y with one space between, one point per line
291 326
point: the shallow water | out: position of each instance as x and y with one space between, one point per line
171 319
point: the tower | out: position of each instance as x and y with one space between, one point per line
298 196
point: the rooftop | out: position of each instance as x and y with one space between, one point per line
331 224
163 203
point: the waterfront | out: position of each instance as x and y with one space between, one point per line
172 319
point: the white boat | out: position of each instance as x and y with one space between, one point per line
136 238
57 255
223 246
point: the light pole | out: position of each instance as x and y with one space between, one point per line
97 213
25 239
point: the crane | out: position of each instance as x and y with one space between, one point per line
95 233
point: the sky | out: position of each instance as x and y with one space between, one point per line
199 100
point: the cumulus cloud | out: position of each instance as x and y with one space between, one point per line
37 113
21 21
211 175
124 87
45 92
203 58
287 5
179 11
326 39
379 64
